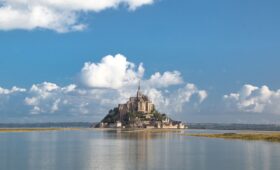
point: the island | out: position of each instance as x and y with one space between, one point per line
138 112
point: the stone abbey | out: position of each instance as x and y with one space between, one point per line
138 112
140 103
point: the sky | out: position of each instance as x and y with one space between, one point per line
199 61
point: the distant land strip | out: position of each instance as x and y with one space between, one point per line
35 129
214 126
266 136
47 125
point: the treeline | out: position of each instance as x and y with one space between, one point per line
234 126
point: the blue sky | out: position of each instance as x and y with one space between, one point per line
219 46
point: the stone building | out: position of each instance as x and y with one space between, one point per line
140 103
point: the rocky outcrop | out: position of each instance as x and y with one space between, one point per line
114 119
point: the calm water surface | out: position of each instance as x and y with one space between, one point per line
114 150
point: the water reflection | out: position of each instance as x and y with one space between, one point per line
86 150
128 150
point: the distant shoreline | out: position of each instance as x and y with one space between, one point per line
127 130
210 126
264 136
269 136
36 129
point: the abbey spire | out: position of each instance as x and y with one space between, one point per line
138 91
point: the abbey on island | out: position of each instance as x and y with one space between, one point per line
140 103
138 112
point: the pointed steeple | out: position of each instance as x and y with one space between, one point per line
139 85
139 88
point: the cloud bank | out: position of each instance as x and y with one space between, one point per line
103 85
254 99
106 83
57 15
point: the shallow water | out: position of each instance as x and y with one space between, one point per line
100 149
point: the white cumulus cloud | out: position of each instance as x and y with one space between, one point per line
112 72
58 15
166 79
48 97
14 89
255 99
174 101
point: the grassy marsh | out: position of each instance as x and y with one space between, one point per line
266 136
